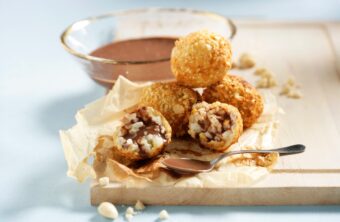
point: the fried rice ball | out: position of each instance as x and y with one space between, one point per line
173 101
236 91
216 126
201 59
143 134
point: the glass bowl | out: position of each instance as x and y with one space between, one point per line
83 37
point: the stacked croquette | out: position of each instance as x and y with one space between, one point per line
230 104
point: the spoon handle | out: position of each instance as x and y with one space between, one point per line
288 150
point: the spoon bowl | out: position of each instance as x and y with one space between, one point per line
192 166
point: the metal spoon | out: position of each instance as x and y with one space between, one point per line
192 166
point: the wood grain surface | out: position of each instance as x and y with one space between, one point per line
311 53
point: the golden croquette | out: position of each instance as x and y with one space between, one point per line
238 92
200 59
173 101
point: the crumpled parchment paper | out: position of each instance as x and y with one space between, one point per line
91 139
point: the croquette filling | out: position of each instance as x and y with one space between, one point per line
213 123
142 131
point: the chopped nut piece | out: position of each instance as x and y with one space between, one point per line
234 65
163 215
128 217
289 89
260 71
266 80
129 213
246 61
108 210
295 95
139 205
104 181
129 210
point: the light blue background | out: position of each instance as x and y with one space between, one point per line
41 88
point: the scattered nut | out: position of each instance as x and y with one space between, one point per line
128 217
139 205
234 65
163 215
129 213
104 181
290 89
246 61
130 210
266 80
108 210
295 95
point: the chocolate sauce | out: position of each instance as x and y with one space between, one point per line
187 164
151 54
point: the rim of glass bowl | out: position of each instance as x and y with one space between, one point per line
86 21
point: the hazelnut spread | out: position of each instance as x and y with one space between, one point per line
141 60
143 49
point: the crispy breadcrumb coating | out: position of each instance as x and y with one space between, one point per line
216 126
200 59
236 91
143 134
173 101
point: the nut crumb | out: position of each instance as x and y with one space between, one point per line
128 217
290 89
266 80
108 210
130 210
139 205
295 95
129 213
104 181
246 61
163 215
234 65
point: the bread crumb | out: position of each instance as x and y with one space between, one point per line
266 80
163 215
139 205
290 89
104 181
246 61
108 210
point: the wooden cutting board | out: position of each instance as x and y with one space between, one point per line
311 53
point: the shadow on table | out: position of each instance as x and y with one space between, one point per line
60 113
49 188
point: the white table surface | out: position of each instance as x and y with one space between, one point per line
41 88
